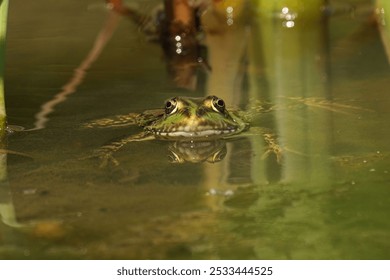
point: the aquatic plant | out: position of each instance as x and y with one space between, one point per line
3 25
383 18
291 9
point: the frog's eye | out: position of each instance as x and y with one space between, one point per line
218 105
170 106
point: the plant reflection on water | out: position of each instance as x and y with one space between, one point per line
230 198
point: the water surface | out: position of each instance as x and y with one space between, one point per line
327 198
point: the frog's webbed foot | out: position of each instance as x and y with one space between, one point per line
115 121
273 146
105 157
270 139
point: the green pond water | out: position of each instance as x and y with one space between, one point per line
327 82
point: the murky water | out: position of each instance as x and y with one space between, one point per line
328 196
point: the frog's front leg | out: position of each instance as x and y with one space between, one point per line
105 153
115 121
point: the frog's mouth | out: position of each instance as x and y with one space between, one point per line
195 131
199 133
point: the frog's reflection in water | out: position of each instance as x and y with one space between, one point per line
197 151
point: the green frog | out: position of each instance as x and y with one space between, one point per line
182 120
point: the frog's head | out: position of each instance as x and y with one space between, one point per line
196 118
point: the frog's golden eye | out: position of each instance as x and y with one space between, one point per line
171 106
218 104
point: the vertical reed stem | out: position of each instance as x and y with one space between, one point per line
3 28
383 18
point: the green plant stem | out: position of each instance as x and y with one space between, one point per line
304 9
383 18
3 28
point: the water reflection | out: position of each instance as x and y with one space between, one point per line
233 199
286 63
42 117
196 152
382 16
288 16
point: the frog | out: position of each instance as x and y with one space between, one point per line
185 121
